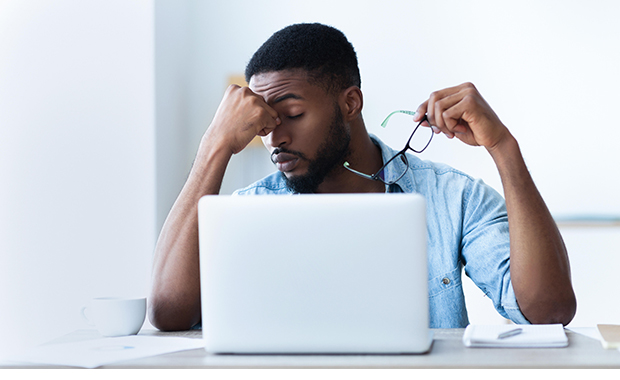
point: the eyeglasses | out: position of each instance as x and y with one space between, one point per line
419 140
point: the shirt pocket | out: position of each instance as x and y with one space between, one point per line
444 282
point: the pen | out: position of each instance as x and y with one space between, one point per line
510 333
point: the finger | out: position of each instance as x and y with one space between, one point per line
435 97
456 116
264 132
267 117
436 105
271 116
438 123
269 126
451 110
420 112
272 112
429 107
260 101
438 120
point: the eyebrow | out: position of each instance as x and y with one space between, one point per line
287 96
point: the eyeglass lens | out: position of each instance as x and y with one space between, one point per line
400 125
394 169
417 141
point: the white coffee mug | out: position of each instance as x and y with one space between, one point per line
116 316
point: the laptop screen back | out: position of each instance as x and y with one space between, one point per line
314 273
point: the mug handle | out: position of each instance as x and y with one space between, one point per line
84 316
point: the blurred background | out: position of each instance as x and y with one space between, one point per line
103 104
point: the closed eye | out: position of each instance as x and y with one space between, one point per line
295 116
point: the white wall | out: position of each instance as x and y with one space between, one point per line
595 259
173 58
77 161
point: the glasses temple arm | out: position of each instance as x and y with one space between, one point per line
384 123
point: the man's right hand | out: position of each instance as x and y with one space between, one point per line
240 117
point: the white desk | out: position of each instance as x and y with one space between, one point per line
447 352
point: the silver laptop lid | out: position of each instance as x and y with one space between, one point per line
314 273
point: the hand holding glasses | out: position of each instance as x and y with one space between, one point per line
393 170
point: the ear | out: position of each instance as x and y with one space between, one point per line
351 103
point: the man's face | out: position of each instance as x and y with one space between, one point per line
312 141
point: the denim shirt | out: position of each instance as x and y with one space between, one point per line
467 227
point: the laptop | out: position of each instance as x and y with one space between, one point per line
312 274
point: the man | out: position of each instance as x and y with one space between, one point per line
304 99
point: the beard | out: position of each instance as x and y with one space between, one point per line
330 156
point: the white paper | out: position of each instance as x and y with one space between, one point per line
531 336
97 352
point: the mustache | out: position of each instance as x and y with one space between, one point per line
277 151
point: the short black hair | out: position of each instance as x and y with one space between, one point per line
322 51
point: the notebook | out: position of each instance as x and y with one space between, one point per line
610 335
526 336
314 274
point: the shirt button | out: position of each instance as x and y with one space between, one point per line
446 281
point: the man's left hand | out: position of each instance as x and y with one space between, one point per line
462 112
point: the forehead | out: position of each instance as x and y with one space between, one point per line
278 86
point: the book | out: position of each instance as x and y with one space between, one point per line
525 336
610 335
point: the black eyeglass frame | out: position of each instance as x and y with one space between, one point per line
377 175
